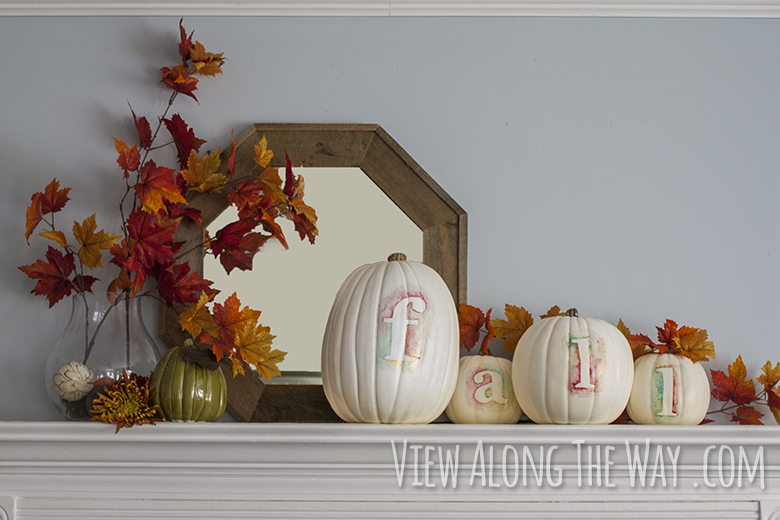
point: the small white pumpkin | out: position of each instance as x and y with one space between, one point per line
668 389
484 393
572 370
73 380
390 349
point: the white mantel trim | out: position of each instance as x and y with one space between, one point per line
532 8
72 471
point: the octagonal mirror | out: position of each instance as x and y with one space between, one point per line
365 160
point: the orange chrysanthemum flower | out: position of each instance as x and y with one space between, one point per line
126 403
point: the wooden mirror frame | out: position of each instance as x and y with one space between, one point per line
368 147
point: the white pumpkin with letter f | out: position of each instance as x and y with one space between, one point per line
390 350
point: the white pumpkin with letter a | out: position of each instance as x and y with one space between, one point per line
572 370
390 350
484 393
668 389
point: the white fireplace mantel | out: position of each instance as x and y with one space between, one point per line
225 470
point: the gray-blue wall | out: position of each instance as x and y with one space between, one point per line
627 167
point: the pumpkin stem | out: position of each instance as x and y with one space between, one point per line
396 257
572 313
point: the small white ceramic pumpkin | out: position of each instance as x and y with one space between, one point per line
572 370
668 389
390 350
484 393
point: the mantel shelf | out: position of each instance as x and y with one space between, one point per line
234 470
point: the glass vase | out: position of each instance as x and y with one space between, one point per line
100 341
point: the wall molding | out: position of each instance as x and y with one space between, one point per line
382 8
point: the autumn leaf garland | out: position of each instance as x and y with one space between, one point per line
738 393
471 321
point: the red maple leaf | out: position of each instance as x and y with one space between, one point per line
176 284
747 415
183 137
151 240
232 159
666 336
470 321
179 210
304 226
265 214
636 340
733 387
289 177
143 129
236 244
53 275
623 418
54 198
185 46
246 193
129 263
129 158
180 80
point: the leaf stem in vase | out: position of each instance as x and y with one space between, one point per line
91 344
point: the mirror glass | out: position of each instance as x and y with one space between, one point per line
294 288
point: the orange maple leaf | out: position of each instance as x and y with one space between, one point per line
263 155
512 329
55 235
34 215
157 185
201 174
206 63
229 320
470 321
91 242
747 415
253 346
196 317
553 311
769 376
692 343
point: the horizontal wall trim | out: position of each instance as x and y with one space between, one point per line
374 8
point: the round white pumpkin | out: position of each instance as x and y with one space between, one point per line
572 370
390 350
484 393
668 389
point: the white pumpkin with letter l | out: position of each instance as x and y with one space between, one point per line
390 348
572 370
670 385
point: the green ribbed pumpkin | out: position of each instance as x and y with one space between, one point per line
185 391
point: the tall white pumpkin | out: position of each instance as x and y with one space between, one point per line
572 370
668 389
390 350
